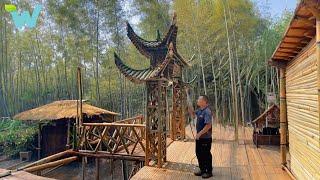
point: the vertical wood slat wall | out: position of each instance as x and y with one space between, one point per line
303 114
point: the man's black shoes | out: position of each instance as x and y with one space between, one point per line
198 173
206 175
203 175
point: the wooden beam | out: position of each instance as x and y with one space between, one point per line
301 42
312 7
103 154
304 19
51 164
282 57
277 63
288 52
308 35
114 124
297 37
301 28
283 117
294 48
47 159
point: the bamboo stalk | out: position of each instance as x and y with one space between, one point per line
51 164
47 159
283 117
318 64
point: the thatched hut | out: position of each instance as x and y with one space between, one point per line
266 127
298 59
56 123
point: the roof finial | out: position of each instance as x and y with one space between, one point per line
158 35
171 49
174 18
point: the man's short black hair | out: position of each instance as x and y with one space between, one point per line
205 98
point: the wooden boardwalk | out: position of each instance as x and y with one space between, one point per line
231 160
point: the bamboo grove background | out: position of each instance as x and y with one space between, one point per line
230 42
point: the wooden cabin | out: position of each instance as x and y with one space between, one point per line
266 127
298 59
56 123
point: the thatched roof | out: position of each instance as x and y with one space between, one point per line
64 109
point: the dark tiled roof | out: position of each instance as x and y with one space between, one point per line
139 76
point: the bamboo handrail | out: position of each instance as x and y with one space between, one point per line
130 119
114 124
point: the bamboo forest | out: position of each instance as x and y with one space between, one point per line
159 89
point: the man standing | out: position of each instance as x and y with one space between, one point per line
203 137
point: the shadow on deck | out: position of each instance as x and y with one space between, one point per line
231 160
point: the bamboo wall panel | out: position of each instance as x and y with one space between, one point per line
303 115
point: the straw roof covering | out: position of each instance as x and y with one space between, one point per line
298 34
64 109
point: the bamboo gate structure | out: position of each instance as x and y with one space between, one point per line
298 59
136 139
166 66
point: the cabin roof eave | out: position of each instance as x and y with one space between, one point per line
298 35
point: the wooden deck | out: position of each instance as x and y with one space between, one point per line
231 160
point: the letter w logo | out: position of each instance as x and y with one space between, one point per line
24 18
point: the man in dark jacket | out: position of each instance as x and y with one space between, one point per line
203 137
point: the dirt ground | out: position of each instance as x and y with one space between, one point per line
73 170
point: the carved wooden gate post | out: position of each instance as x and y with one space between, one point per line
178 111
156 122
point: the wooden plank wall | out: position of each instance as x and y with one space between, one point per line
303 115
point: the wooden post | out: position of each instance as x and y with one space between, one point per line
111 169
39 142
68 135
97 168
147 130
83 167
160 119
80 95
79 108
283 117
124 169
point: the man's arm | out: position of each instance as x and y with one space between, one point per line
206 128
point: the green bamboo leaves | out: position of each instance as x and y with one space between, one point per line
10 7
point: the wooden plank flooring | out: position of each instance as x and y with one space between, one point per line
231 160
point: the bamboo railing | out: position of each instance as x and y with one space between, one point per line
119 138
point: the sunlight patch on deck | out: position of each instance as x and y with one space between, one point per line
231 160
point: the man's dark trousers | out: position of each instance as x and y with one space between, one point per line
203 152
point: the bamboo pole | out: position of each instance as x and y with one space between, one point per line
39 142
83 168
283 117
51 164
97 168
68 135
115 124
47 159
318 62
80 96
